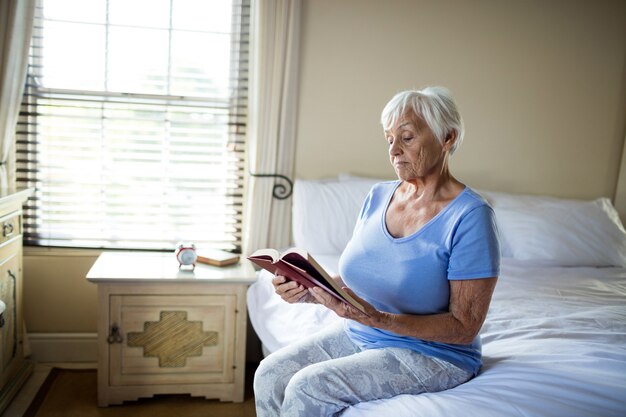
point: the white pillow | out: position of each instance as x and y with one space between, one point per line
559 232
508 200
324 213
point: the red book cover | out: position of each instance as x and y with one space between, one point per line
298 265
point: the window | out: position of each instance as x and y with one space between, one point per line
132 128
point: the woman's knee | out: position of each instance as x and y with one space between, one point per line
264 372
297 384
274 373
263 376
311 392
308 382
297 394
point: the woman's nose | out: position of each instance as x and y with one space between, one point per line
395 148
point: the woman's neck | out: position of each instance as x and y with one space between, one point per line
441 185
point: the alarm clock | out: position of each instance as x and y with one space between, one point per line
186 254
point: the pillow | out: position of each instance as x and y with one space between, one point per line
508 200
558 232
324 213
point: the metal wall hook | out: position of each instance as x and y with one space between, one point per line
280 191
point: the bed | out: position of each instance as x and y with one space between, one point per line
554 341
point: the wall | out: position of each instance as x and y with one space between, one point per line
58 297
541 85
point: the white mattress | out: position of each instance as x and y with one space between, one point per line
554 345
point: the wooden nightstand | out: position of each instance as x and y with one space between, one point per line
162 330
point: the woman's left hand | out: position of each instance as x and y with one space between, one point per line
371 317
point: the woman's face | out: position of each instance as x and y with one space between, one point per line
414 151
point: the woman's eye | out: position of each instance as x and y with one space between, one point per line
407 138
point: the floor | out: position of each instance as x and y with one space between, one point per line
24 397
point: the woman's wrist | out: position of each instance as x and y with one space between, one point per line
383 320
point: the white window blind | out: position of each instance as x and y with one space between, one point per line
132 129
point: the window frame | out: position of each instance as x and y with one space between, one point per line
27 144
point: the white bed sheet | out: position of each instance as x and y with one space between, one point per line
554 345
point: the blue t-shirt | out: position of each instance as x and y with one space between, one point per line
410 274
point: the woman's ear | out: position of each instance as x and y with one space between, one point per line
449 140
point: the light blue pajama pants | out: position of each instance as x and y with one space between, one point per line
326 373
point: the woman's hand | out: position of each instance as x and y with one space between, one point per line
291 291
371 317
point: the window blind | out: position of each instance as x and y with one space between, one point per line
132 129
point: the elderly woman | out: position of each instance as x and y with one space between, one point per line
424 259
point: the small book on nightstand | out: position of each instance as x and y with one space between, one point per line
216 257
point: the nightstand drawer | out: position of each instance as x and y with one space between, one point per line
11 227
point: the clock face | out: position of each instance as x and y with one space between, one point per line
187 256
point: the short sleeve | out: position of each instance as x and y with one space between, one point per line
475 249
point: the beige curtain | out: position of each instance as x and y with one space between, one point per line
619 199
272 121
16 24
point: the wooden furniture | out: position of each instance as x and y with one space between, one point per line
14 368
165 330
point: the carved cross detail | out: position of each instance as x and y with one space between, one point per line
172 339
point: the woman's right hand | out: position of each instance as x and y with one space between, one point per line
291 291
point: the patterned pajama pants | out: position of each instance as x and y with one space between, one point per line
326 373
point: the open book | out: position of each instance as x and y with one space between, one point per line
298 265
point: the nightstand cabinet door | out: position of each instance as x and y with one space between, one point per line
172 339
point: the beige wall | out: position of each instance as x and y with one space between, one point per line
541 85
57 297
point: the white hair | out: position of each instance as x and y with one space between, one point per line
433 104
